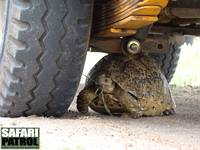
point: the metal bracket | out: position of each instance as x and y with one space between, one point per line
152 44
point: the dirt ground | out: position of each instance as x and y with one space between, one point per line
94 131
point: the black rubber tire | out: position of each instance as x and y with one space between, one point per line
44 51
169 61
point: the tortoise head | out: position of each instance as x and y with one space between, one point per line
106 83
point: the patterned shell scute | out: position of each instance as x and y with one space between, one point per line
139 75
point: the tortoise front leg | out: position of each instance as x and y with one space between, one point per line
84 99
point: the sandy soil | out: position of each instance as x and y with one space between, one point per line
77 132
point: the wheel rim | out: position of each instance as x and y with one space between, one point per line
3 13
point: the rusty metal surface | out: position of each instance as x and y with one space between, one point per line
165 29
179 16
156 45
185 13
184 3
107 45
152 44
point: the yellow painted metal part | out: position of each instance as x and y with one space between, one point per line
133 15
135 22
115 33
147 10
161 3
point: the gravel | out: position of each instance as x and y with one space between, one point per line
94 131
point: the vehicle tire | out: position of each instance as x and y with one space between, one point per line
169 61
42 56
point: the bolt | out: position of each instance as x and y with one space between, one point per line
133 47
